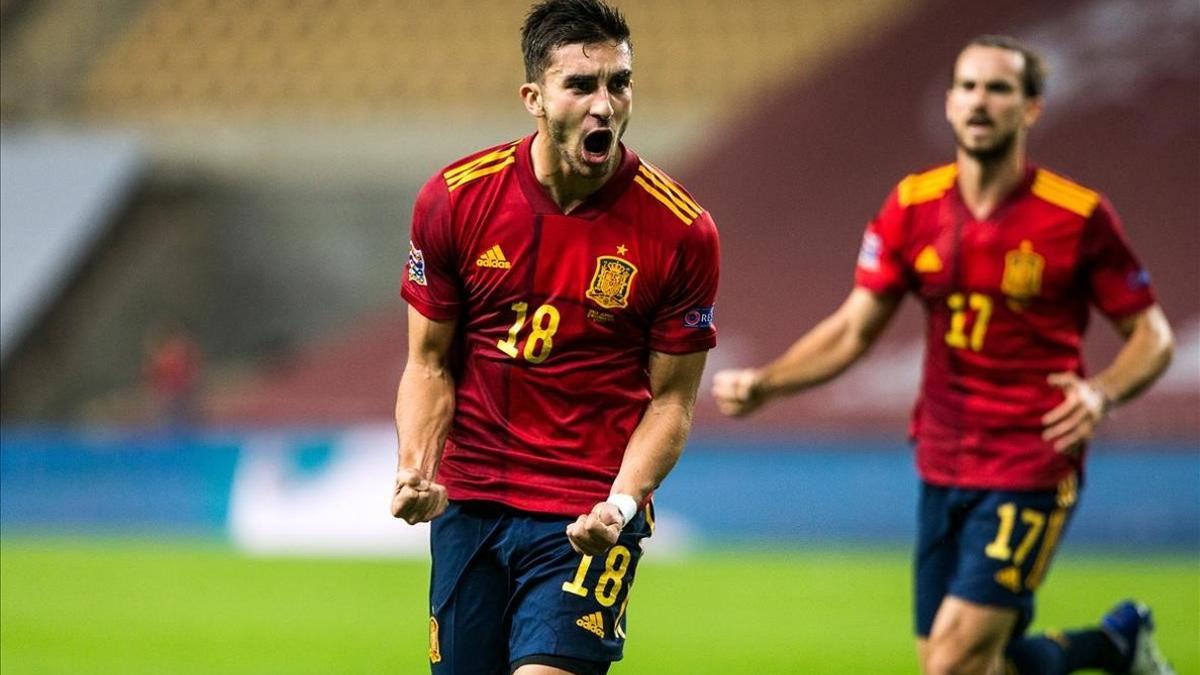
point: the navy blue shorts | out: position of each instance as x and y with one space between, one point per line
506 586
988 547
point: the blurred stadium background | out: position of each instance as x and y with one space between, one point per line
204 215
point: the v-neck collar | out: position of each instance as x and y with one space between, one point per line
1016 193
595 204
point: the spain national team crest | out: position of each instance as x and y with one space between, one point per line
612 282
1022 275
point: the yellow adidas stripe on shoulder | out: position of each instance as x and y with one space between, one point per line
668 193
672 187
483 165
924 187
1064 193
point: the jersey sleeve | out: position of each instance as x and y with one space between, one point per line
684 322
880 267
430 281
1117 283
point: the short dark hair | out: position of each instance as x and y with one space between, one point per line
1033 77
554 23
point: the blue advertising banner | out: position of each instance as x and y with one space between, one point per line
327 491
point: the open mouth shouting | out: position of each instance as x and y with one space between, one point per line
598 145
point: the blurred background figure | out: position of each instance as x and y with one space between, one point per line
172 375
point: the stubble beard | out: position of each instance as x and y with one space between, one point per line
992 153
560 135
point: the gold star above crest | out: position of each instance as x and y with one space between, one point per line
621 250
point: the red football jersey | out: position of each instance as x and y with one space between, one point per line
557 316
1007 304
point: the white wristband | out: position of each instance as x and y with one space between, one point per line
626 504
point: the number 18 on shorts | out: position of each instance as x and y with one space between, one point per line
507 585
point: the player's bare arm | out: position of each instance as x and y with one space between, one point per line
820 355
1149 345
653 450
424 408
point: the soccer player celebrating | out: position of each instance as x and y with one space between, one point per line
1005 257
560 296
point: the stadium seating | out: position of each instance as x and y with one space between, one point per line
334 59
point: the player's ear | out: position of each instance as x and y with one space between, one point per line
531 96
1033 110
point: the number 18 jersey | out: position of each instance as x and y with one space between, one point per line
556 317
1007 302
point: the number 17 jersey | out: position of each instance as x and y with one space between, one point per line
1007 302
556 317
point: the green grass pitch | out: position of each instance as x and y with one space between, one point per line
114 606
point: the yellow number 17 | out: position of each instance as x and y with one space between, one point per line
957 336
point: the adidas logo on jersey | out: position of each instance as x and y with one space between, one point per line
927 261
494 257
593 622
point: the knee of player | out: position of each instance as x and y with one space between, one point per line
954 657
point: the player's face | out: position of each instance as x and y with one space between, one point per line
585 97
986 105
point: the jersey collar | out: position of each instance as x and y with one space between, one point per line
1022 188
596 204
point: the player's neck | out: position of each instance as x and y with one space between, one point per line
985 183
565 187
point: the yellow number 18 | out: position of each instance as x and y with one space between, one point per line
608 586
541 337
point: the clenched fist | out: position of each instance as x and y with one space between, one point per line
596 532
416 499
738 391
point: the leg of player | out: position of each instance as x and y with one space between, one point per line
1056 653
568 615
966 638
539 669
1122 643
467 596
